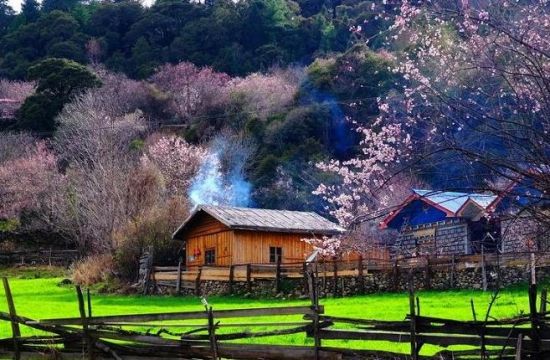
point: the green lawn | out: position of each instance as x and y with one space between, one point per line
42 298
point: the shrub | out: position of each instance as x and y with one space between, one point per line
92 269
151 229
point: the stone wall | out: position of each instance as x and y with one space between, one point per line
444 238
382 281
521 234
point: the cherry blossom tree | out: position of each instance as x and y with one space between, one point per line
12 95
366 188
27 180
266 94
192 89
177 161
477 83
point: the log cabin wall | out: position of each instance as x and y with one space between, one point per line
208 233
253 247
239 246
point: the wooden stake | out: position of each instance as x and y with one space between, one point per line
518 347
533 269
361 275
248 278
198 282
278 276
473 309
84 319
306 281
483 270
178 280
427 274
212 333
89 298
412 315
452 271
535 336
335 277
16 332
231 278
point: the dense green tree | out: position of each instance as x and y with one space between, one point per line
30 10
6 16
58 80
63 5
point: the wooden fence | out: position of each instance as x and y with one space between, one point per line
177 277
39 257
214 334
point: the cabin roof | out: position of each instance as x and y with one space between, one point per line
264 220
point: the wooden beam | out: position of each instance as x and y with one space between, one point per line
84 321
235 313
16 332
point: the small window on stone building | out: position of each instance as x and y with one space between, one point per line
210 256
275 254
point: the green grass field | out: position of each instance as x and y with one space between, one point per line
37 295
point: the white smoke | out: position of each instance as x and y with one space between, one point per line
220 179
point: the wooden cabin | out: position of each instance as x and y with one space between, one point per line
223 236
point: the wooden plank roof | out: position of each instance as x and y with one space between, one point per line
265 220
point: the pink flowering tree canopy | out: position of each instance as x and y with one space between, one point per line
177 161
25 180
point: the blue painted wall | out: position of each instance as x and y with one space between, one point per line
417 212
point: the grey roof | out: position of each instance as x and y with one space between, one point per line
266 220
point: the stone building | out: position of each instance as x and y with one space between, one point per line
443 223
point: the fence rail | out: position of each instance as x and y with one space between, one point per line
39 257
176 277
210 336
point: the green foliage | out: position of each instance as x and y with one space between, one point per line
57 81
30 9
233 37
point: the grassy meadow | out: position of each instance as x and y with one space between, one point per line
37 295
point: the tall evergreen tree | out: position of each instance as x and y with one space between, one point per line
30 9
6 16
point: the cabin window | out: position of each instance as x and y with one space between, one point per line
275 254
210 256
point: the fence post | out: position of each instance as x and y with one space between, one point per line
412 310
248 278
483 270
535 336
335 277
278 276
314 296
212 333
304 270
89 299
452 271
395 274
16 332
533 269
198 282
84 319
178 280
360 274
428 275
518 347
231 278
